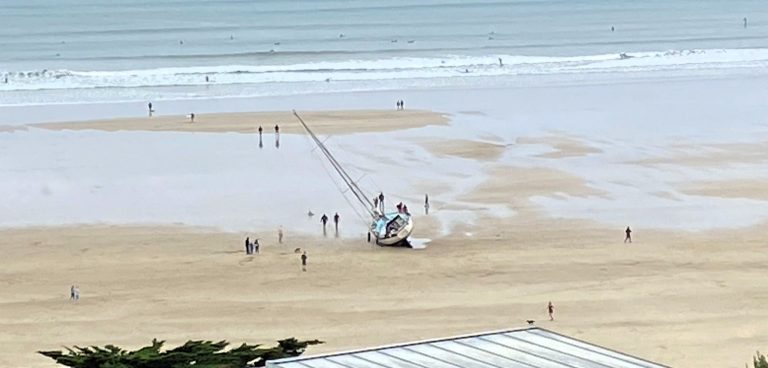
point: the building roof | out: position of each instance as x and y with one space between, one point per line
524 348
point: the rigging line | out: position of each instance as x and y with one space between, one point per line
341 190
359 194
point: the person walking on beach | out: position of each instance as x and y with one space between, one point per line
426 204
402 105
280 235
324 220
551 310
192 117
255 246
247 245
304 261
260 131
376 202
381 201
277 129
336 218
628 238
72 292
149 107
77 293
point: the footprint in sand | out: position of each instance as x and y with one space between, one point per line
244 261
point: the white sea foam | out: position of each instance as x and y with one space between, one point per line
385 69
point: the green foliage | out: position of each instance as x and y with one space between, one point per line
760 361
201 354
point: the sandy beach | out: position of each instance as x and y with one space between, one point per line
666 297
323 121
525 209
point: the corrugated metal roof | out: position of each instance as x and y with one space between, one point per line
522 348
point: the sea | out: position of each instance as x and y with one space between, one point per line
76 51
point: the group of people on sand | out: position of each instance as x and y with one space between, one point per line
324 220
400 105
252 247
277 136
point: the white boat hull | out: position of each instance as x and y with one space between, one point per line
392 229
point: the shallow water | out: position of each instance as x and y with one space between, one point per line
85 50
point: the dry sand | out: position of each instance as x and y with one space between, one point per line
747 188
562 146
710 155
483 151
681 299
331 122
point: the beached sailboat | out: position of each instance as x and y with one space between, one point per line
387 228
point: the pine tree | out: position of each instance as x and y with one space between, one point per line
201 354
760 361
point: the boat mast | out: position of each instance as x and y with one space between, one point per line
353 187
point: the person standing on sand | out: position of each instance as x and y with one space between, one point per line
402 105
745 22
149 107
381 201
426 204
324 220
336 218
72 292
628 238
280 235
277 129
247 245
255 246
260 131
375 202
304 261
551 310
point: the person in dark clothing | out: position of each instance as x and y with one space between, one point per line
260 130
375 202
255 246
369 236
324 220
628 238
304 261
426 204
149 107
277 129
399 207
551 310
381 201
336 218
247 245
405 210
